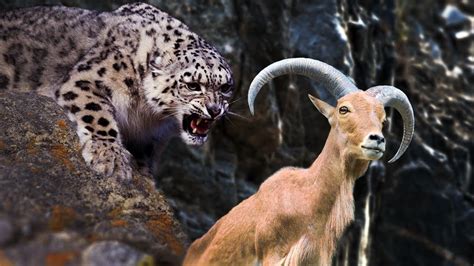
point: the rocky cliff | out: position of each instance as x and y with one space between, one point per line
55 211
417 211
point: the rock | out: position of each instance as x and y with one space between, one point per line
51 248
61 207
6 231
114 253
452 16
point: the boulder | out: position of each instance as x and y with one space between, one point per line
54 210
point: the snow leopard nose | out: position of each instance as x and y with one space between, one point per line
213 110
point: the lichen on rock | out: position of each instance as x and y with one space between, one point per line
55 208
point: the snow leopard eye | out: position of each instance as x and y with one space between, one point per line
226 88
193 86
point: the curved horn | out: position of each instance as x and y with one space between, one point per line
390 96
332 79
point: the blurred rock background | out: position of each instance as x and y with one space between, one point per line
417 211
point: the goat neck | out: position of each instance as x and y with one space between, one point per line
335 170
336 161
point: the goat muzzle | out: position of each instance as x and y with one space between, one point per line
390 96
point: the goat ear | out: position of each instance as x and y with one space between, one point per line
322 107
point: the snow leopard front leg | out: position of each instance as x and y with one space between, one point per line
87 99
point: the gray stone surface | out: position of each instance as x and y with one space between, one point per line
114 253
57 206
6 231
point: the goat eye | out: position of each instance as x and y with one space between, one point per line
343 110
226 88
194 86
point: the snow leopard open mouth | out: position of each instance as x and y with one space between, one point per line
196 125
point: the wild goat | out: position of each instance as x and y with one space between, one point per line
297 215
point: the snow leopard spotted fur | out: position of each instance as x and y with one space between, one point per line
126 77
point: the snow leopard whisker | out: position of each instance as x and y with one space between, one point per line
230 121
238 116
236 100
169 115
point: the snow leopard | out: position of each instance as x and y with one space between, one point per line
126 78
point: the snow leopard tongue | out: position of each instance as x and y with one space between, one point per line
200 126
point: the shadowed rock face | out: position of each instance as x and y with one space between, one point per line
417 211
55 210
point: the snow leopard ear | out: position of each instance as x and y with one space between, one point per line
157 65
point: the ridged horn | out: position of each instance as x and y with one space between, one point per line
390 96
332 79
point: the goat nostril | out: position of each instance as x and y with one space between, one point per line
377 138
